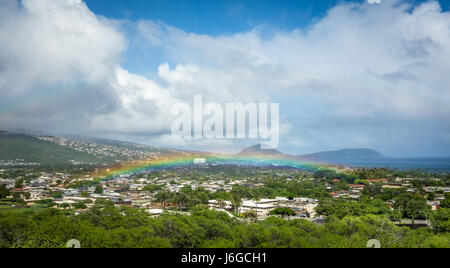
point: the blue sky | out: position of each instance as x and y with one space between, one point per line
347 74
215 17
210 17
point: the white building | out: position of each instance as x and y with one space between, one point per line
199 161
262 209
215 204
154 212
76 199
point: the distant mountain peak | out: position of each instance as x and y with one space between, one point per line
257 151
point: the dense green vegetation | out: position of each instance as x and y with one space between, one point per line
107 226
339 209
284 212
363 174
3 191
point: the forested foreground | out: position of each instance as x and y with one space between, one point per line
110 227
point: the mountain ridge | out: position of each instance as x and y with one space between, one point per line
323 156
343 155
256 151
31 148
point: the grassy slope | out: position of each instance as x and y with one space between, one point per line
19 146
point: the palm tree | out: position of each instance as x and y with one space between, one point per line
251 215
236 203
221 203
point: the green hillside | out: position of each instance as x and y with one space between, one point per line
33 150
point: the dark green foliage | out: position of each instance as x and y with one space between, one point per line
46 203
282 212
185 198
4 192
98 189
373 190
80 205
56 195
441 220
152 188
107 226
446 203
18 184
343 208
411 206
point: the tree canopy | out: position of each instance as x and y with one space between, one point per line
107 226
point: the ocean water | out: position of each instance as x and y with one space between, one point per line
430 164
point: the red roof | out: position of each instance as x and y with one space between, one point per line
17 190
377 180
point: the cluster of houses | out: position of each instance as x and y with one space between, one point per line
17 162
125 190
102 150
129 190
354 191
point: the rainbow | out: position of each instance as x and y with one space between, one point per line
185 160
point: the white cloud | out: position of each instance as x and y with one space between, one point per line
60 71
369 72
144 107
49 41
364 75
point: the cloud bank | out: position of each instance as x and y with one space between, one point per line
362 76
